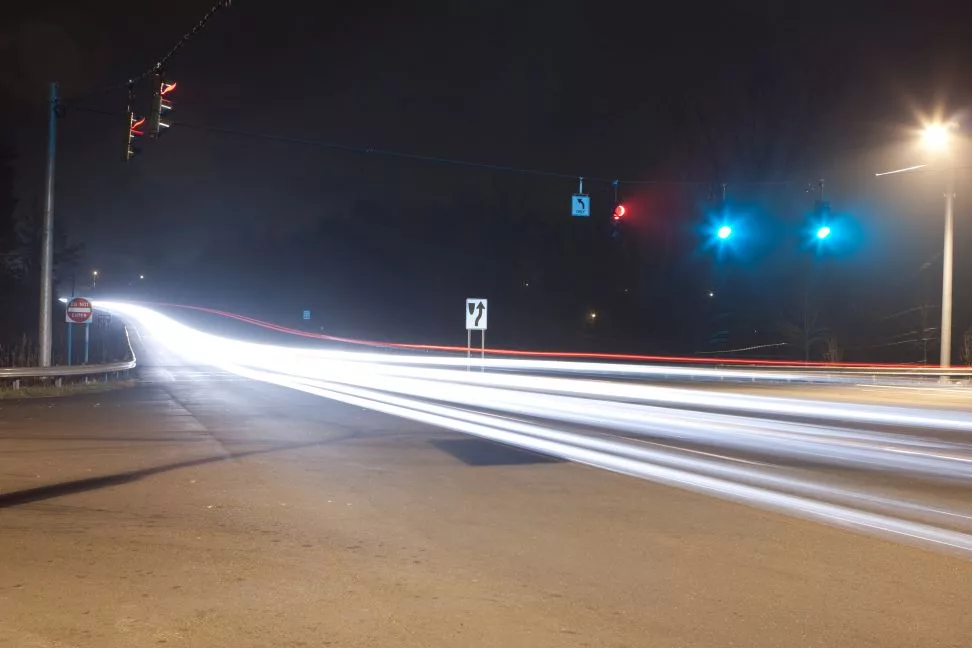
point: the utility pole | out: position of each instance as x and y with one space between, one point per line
47 237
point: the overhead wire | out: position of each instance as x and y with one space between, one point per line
368 150
438 159
158 65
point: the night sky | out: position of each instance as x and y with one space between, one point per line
241 206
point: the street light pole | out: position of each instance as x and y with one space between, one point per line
947 260
47 239
937 137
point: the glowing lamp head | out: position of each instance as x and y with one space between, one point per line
619 212
823 233
724 232
936 137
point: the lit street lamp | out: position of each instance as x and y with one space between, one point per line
937 138
823 232
94 279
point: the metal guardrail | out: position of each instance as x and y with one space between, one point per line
64 371
61 372
960 376
863 370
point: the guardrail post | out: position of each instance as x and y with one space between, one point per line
59 381
16 384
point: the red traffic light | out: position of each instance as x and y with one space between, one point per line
161 105
619 212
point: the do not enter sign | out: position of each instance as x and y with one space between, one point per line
78 311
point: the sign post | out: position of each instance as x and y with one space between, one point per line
78 311
580 202
103 321
476 320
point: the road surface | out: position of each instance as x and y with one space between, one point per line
202 508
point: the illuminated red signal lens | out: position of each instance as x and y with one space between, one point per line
619 212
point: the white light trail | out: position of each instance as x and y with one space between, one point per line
772 452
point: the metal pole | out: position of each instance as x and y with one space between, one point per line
87 340
482 357
70 344
947 258
47 237
468 348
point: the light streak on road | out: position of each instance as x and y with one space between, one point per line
814 458
887 371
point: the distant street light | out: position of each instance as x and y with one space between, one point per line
823 232
937 138
724 232
94 278
141 276
592 316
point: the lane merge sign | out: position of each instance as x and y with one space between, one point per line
78 311
476 314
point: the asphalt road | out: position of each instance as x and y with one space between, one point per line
203 509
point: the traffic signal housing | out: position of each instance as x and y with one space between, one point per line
821 212
616 217
161 107
134 131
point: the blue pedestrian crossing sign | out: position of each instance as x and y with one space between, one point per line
306 314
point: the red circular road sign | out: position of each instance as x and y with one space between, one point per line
79 310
